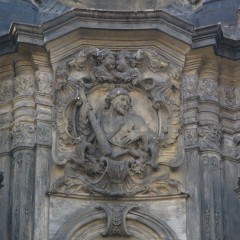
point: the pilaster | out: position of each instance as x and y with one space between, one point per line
23 135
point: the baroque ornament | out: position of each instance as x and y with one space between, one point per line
229 96
116 219
210 136
44 81
24 84
22 133
44 134
208 89
190 137
103 134
190 84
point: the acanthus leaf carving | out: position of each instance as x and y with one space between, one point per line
109 147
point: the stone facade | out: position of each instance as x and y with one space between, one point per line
119 123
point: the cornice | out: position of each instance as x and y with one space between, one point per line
117 20
158 20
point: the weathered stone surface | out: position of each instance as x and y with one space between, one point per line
170 212
119 121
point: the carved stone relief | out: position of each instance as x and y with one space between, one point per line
6 82
116 223
123 221
212 220
25 79
208 89
190 85
210 161
190 137
210 136
43 134
105 102
22 133
229 97
44 80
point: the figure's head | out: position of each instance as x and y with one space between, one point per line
107 58
120 100
125 60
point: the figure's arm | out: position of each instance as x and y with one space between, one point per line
139 132
83 122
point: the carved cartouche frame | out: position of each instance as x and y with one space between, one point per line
112 150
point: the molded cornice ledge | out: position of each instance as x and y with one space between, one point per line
95 19
118 20
159 20
20 33
213 36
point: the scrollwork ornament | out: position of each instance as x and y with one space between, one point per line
107 146
116 219
210 162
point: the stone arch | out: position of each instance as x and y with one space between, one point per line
90 226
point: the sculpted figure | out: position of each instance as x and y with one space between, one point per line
106 62
111 150
126 67
120 67
131 144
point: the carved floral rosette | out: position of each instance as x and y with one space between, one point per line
112 148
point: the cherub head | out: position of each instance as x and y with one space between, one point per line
107 59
